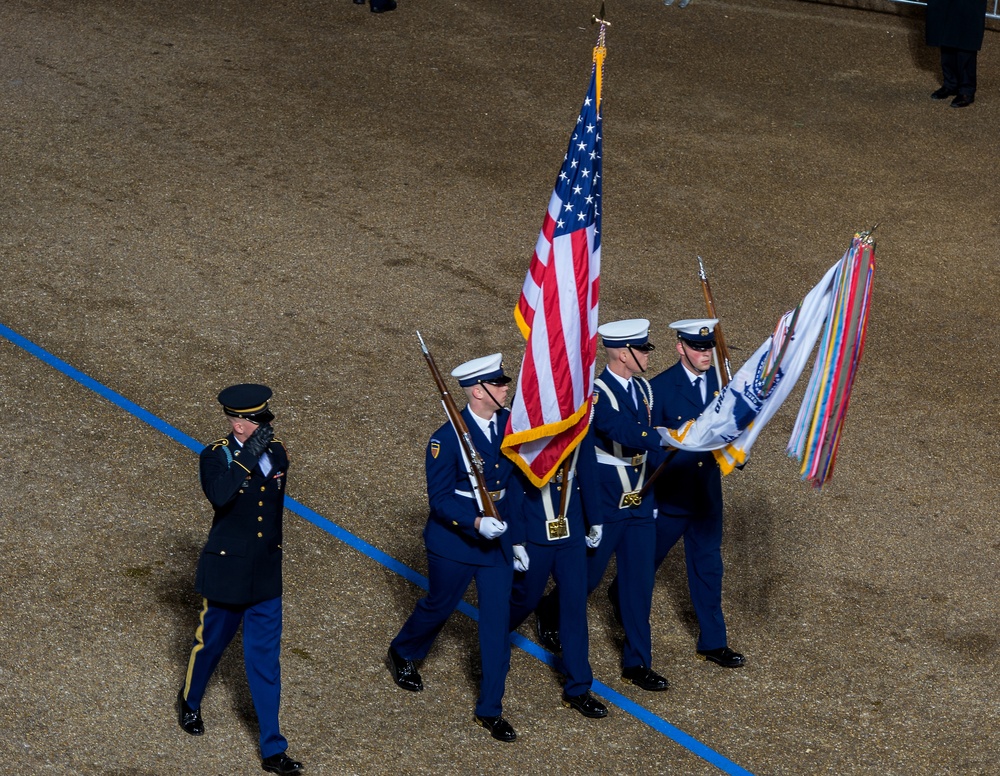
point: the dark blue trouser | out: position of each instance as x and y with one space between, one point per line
633 542
447 583
703 556
261 647
568 565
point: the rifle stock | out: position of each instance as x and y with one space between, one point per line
472 457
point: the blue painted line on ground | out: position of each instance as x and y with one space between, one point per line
627 705
89 382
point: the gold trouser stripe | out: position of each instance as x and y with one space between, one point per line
199 638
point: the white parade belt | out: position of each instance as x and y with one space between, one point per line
495 495
614 460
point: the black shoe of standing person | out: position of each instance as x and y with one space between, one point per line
645 678
381 6
359 2
404 673
281 763
586 704
963 101
943 93
499 728
188 718
724 656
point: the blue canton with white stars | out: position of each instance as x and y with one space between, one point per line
579 181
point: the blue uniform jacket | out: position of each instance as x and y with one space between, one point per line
692 482
241 561
531 515
633 430
451 526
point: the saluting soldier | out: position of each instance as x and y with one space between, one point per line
554 531
621 448
463 544
244 476
689 491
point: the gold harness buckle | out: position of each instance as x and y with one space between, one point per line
557 528
630 500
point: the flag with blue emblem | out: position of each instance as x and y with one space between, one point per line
835 315
557 310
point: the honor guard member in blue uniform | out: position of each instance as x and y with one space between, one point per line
689 491
621 448
554 531
239 571
463 544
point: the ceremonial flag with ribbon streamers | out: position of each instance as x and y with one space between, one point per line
816 435
835 313
557 310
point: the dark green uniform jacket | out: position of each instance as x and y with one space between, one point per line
240 564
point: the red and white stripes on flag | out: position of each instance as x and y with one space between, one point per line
557 310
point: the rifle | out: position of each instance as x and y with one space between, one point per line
473 461
721 351
722 364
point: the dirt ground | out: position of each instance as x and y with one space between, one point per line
195 194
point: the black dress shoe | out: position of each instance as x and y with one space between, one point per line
586 704
359 2
963 101
281 763
548 637
383 6
404 673
645 678
724 656
943 93
189 719
499 728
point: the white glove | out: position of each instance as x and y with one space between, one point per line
490 527
594 536
520 558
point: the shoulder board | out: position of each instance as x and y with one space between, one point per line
219 443
277 442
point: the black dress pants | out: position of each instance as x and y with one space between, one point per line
958 67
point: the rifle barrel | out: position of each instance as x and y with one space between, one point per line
486 504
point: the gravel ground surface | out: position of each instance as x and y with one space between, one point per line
196 194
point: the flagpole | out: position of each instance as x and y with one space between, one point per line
557 310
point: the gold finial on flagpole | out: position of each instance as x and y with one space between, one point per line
600 51
868 237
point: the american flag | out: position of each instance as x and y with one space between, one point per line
557 311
